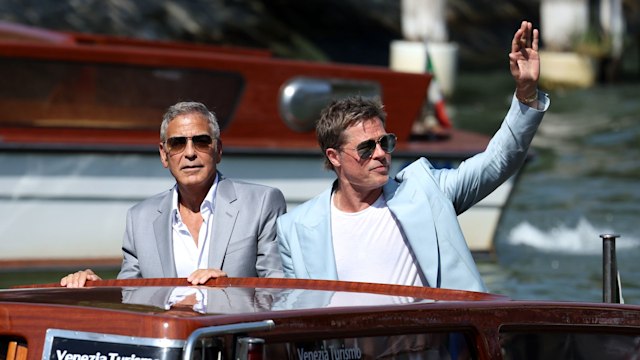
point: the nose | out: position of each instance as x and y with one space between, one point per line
378 152
189 150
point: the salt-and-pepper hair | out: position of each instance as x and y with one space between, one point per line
189 107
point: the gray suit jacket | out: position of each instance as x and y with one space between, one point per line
244 233
426 202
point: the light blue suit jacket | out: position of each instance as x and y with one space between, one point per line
426 202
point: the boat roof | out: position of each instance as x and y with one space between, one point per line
266 296
303 317
227 296
71 91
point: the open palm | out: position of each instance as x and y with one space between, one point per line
524 61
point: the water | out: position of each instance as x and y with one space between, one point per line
583 182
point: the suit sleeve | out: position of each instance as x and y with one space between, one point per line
285 250
481 174
268 262
130 268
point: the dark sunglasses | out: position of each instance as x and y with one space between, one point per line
366 148
177 144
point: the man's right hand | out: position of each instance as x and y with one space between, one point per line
79 278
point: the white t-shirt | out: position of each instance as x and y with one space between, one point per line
369 247
187 256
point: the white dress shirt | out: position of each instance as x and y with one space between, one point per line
187 255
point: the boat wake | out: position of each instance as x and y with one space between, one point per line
582 239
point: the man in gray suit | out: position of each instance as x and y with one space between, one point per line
206 226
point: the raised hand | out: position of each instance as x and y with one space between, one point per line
524 62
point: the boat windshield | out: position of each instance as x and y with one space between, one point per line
584 343
67 94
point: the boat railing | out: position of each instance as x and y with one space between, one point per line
436 294
208 332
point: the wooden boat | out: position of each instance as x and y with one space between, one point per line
79 133
242 318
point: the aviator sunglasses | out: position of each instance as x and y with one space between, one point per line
177 144
366 148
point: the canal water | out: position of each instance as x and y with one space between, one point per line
584 181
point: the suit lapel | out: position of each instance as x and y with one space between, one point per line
417 225
163 231
224 219
316 242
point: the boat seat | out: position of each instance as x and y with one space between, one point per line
16 351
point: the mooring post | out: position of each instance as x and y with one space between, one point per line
610 292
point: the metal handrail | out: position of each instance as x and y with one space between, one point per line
223 329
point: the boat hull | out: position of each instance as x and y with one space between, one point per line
303 319
70 208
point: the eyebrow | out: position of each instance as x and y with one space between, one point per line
173 136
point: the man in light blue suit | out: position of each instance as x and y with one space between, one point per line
404 230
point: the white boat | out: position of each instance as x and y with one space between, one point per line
80 120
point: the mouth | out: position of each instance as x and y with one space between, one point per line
191 167
380 168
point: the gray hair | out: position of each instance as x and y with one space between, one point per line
189 107
340 115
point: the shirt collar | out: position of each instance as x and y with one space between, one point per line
206 208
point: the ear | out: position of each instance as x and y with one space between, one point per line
164 157
333 156
218 151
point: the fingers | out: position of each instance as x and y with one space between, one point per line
524 35
534 42
79 278
515 44
523 38
201 276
